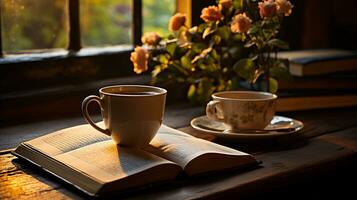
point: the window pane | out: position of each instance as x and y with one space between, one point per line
106 22
29 24
156 15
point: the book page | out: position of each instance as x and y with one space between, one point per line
68 139
93 162
107 162
95 154
182 148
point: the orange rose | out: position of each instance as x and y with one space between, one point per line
225 3
267 8
211 13
240 23
140 60
284 7
177 21
151 38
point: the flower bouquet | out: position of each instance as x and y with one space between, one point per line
234 49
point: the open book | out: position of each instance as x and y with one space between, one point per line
92 162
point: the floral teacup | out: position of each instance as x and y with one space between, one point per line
242 110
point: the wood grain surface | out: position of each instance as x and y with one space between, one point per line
326 149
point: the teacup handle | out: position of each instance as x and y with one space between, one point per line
85 113
211 110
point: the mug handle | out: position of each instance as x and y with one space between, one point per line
86 116
211 110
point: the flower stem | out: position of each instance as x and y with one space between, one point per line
267 72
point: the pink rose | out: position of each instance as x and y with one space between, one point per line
151 38
211 13
225 3
267 8
140 60
284 7
240 23
177 21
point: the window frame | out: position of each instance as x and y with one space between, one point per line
72 63
34 86
63 60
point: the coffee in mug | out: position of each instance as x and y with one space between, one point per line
132 114
242 110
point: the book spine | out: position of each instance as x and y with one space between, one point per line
315 102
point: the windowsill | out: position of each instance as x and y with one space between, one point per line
57 54
54 101
73 88
40 70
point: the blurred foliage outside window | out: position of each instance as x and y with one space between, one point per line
106 22
156 15
43 24
34 24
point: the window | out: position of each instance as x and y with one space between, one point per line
70 41
106 22
59 51
23 31
101 23
156 15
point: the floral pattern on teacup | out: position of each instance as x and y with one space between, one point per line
252 112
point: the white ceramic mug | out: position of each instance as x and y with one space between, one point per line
242 110
132 114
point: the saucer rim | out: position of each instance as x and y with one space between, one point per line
300 125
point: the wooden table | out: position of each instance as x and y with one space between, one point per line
318 162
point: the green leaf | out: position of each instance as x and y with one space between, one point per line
215 55
281 73
156 71
254 29
212 68
216 39
202 27
205 90
163 59
208 31
177 65
198 47
209 67
224 32
249 44
191 94
245 68
171 48
267 34
203 54
186 62
237 37
233 83
223 85
238 4
235 52
278 43
273 85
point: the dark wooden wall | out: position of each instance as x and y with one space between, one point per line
312 24
330 23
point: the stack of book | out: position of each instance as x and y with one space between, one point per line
322 78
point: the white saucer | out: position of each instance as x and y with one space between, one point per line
279 126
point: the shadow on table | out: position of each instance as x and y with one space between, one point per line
265 145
